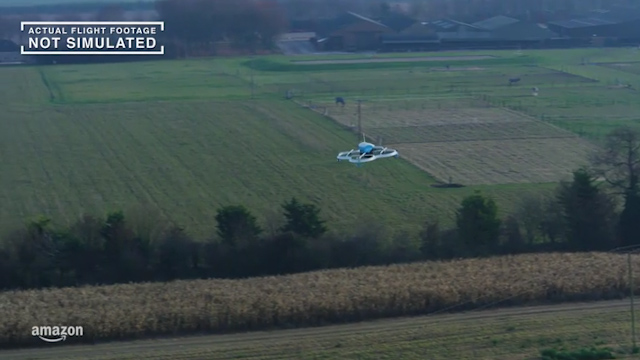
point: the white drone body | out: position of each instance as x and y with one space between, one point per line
366 152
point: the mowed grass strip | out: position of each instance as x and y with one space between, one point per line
136 310
498 334
500 161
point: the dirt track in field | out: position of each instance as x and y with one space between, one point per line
130 348
386 60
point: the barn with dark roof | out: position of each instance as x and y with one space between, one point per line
615 26
454 34
418 37
397 22
351 32
509 32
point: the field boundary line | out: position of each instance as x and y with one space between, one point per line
589 79
47 85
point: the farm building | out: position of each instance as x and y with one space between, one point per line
396 21
351 32
418 37
454 34
495 32
602 27
509 32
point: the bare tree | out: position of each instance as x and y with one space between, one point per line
531 214
619 164
619 160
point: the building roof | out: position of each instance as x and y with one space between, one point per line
342 21
470 36
419 28
523 31
397 22
495 22
600 17
448 25
8 46
409 39
364 18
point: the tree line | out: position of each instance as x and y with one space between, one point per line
234 27
584 214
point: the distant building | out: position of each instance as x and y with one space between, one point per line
351 32
396 21
602 27
509 32
455 34
418 37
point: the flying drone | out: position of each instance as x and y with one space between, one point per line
366 152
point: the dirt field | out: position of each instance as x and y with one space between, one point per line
499 161
517 130
516 333
469 140
382 117
398 59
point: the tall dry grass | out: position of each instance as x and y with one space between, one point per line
129 311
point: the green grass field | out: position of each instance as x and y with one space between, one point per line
182 138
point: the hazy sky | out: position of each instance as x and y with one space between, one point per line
54 2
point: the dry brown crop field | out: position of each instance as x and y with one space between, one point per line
504 334
536 160
469 141
317 298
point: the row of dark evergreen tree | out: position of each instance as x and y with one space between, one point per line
582 215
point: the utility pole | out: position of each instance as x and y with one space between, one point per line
633 311
252 83
359 118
